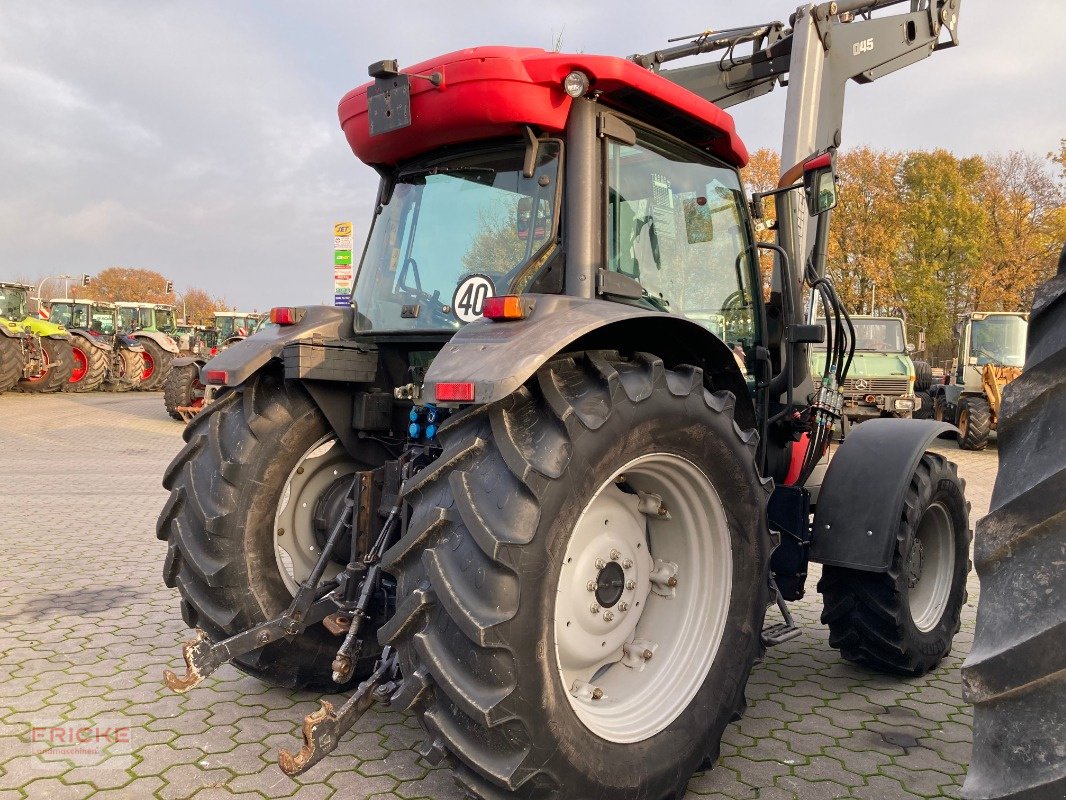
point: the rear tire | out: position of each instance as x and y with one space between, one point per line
61 358
225 487
941 410
923 376
494 520
182 389
10 362
90 363
903 621
1015 675
926 411
156 366
127 375
975 423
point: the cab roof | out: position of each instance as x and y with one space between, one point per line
490 92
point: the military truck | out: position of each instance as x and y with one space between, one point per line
990 354
45 354
880 382
151 324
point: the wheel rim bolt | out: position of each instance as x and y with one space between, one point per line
597 694
623 606
671 581
263 637
646 655
591 586
627 564
600 563
662 511
299 470
595 609
608 616
281 531
615 555
620 479
631 585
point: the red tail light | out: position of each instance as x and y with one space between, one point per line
214 352
216 376
285 315
455 392
503 307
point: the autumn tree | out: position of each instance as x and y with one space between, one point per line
135 285
197 306
761 175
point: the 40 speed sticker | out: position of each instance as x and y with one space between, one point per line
470 295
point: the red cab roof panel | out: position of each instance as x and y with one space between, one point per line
488 92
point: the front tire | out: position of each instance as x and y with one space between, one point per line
975 423
492 574
90 366
226 486
903 620
183 389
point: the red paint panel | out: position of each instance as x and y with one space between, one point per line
489 92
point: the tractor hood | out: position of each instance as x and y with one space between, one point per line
871 365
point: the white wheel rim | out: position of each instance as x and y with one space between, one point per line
931 567
295 547
616 693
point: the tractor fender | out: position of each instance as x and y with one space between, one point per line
95 341
185 361
160 338
498 357
860 503
244 359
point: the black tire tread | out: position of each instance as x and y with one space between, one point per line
1015 675
162 359
867 613
979 425
462 691
96 370
10 362
923 376
177 389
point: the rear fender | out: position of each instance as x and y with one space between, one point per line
159 338
185 361
95 341
860 503
498 357
239 362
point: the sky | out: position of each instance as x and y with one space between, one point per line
201 139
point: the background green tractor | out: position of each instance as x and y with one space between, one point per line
102 356
990 355
151 324
881 380
47 358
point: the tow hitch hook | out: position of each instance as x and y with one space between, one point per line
323 729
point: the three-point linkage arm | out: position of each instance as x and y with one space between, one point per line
824 46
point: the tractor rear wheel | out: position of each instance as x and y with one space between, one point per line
156 366
183 389
242 524
582 585
60 360
975 423
90 366
903 620
10 362
125 375
1015 675
923 376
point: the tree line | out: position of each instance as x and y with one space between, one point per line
930 235
141 286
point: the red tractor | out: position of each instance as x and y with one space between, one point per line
563 451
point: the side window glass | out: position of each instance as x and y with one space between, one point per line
676 224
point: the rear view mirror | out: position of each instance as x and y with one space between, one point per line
819 183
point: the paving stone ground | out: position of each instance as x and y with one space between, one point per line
86 628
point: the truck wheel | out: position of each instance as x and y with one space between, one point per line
90 366
1015 675
156 366
59 355
975 423
583 582
183 389
926 411
259 467
903 620
923 376
10 362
